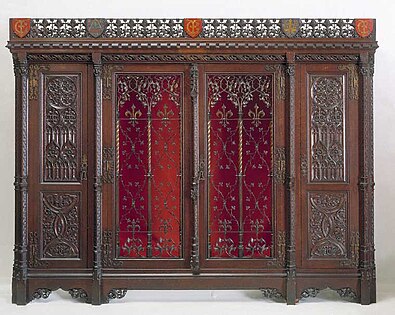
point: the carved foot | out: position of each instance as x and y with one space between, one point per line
78 293
116 294
42 293
345 293
272 293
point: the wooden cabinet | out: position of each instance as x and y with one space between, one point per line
193 154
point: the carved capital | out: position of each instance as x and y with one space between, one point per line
364 69
290 70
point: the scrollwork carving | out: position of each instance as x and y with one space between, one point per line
42 293
78 293
353 260
353 89
327 224
34 259
272 293
281 247
279 165
117 294
279 71
346 292
309 292
108 165
304 166
107 79
108 256
34 71
60 225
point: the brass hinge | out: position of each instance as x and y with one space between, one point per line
84 167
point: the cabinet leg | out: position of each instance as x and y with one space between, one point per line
291 288
97 297
368 286
19 292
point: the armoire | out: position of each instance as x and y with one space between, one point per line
193 154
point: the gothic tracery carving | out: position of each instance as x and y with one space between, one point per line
61 156
60 225
327 129
328 224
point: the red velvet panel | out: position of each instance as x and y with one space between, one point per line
240 164
149 182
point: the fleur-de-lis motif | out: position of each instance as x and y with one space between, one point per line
257 226
165 115
256 115
134 115
224 115
225 225
134 226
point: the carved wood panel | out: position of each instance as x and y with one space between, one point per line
328 212
327 134
329 207
60 224
61 130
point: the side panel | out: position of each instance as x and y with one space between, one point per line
329 166
58 216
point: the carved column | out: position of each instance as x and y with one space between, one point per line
19 276
97 259
195 265
291 259
366 184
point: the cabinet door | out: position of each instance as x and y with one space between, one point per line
329 166
242 149
147 167
58 132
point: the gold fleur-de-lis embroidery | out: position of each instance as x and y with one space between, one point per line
134 115
165 115
256 116
224 115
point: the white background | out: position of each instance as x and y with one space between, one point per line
384 87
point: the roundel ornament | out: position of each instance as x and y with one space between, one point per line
364 27
193 27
